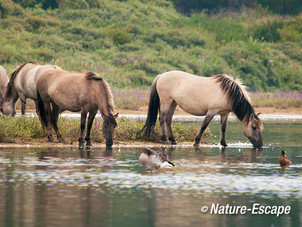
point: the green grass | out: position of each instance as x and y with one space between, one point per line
129 42
23 129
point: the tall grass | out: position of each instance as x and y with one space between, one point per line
277 99
23 129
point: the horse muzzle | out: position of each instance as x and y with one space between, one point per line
256 143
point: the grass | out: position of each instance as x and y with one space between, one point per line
130 42
23 129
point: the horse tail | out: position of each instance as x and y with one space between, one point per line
153 109
40 108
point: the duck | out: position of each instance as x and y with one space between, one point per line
152 160
283 160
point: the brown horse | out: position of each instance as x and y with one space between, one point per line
201 96
60 90
22 84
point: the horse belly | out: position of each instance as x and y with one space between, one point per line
191 106
194 100
67 102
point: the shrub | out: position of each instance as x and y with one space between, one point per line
268 32
9 8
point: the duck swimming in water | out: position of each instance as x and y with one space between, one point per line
283 160
152 160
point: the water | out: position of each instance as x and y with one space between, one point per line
69 187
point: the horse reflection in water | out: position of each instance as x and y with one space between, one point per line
60 90
201 96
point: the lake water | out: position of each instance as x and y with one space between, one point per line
69 187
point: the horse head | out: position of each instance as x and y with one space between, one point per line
7 103
108 128
252 130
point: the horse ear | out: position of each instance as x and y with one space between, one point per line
258 114
252 117
116 115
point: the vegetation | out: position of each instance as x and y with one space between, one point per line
129 42
23 129
276 6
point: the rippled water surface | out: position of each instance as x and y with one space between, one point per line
69 187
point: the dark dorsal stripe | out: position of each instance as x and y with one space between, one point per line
93 76
241 105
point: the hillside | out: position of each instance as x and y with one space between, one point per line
130 42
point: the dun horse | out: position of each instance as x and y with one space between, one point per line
22 84
60 90
3 82
201 96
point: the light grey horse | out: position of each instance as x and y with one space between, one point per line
201 96
22 84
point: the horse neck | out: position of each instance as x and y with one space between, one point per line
11 94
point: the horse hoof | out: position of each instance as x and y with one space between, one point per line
50 141
89 144
61 140
165 142
174 143
196 145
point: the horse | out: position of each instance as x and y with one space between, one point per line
201 96
22 84
3 82
60 90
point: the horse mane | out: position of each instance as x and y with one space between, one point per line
14 75
238 96
106 88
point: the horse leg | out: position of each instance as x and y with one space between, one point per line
162 118
89 125
47 121
54 121
83 122
169 122
23 103
205 124
37 110
223 122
